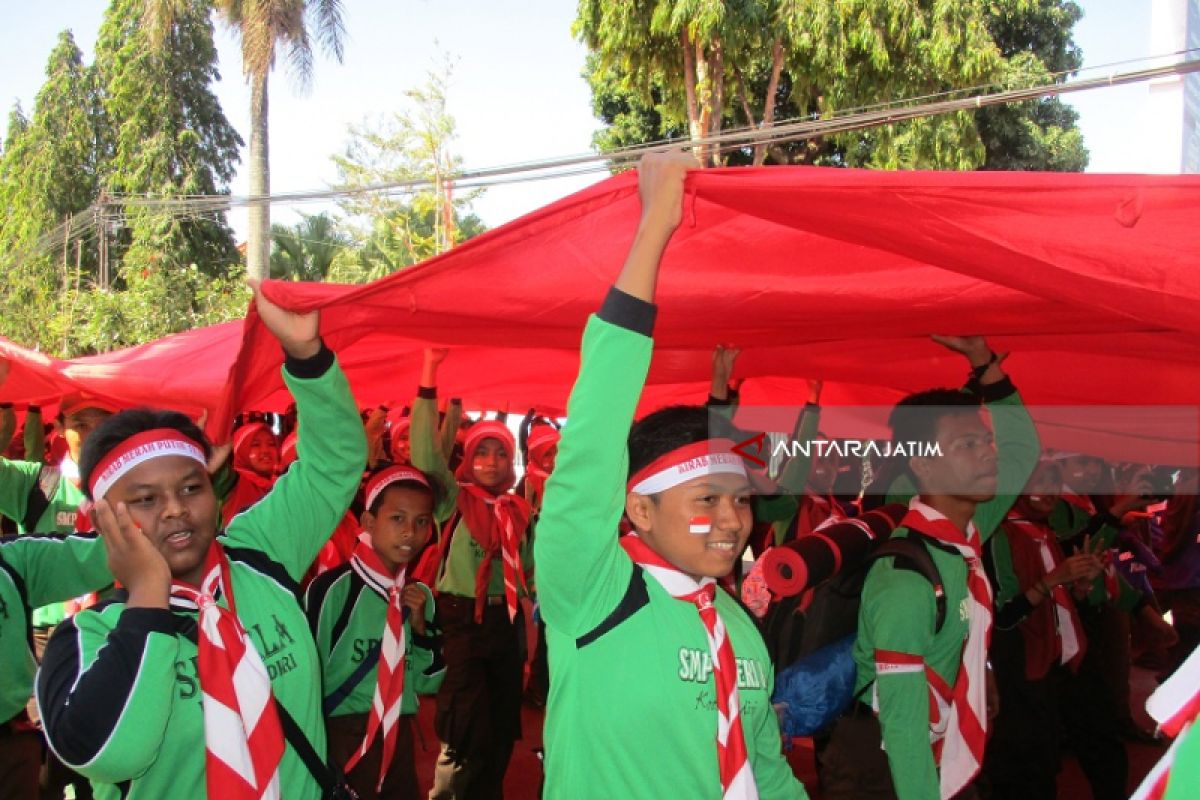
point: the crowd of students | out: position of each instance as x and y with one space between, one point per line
286 599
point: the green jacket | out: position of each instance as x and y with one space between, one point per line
457 574
35 570
631 713
898 612
347 620
119 690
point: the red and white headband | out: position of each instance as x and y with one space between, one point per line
709 457
138 449
393 474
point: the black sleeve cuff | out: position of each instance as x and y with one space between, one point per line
147 620
628 312
456 401
430 641
991 392
427 392
716 401
309 368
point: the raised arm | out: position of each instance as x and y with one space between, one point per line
302 510
1017 444
581 571
424 442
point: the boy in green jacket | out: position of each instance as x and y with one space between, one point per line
375 635
181 689
660 683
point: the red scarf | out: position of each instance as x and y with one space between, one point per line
389 682
497 523
496 520
244 742
737 777
1052 632
960 718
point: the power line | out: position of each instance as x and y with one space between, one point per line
860 118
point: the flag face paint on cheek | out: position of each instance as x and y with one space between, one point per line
700 525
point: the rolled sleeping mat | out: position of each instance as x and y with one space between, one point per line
813 559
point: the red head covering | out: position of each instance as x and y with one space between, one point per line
241 443
487 429
75 402
541 439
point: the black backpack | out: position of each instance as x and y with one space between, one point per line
811 650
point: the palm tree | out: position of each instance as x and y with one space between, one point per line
305 251
265 27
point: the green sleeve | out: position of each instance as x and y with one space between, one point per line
898 613
795 475
427 454
1017 453
35 439
1008 586
426 678
582 572
57 568
303 508
90 656
449 429
782 509
8 426
16 479
1184 780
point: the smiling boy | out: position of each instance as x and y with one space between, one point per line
660 684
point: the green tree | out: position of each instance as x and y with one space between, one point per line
169 136
662 68
266 28
306 250
48 175
414 145
1035 39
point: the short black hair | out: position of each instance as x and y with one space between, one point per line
915 418
670 428
120 426
434 489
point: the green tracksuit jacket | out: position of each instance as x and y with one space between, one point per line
35 570
632 709
347 618
119 690
898 611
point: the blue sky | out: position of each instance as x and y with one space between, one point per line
517 94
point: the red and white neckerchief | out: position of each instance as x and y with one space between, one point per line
958 714
497 520
389 681
1070 630
243 739
1175 705
737 776
511 514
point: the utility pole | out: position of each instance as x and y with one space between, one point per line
102 233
